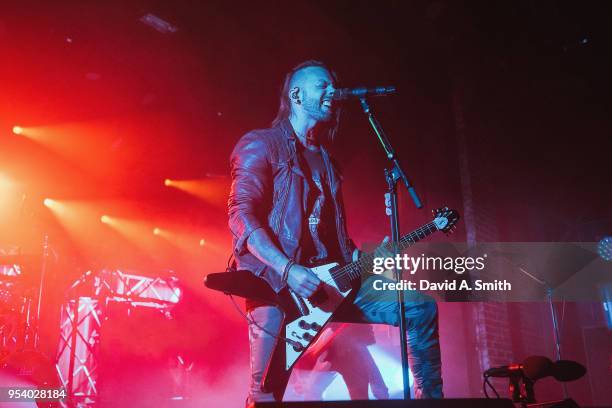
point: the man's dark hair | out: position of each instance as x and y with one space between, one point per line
284 109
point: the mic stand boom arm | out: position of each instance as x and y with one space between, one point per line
386 144
392 177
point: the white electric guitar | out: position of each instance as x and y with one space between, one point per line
305 317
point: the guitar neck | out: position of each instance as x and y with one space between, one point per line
354 269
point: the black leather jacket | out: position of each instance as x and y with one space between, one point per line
267 192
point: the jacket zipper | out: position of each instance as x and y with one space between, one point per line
338 213
281 216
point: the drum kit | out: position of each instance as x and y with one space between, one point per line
18 303
21 362
16 299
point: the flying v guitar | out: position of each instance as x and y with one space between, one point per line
304 319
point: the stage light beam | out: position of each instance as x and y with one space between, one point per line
48 202
156 231
202 242
105 219
6 184
17 130
8 197
212 190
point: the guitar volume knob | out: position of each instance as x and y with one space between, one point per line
297 347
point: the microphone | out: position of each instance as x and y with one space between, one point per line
537 367
504 371
567 370
361 92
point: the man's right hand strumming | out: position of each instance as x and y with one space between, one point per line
302 280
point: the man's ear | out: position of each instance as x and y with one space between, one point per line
294 95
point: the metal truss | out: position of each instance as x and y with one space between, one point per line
77 365
82 316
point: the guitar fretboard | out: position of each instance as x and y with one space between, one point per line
354 270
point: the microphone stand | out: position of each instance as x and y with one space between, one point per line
553 315
392 176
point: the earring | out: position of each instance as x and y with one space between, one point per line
295 97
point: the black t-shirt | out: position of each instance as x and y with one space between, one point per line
319 241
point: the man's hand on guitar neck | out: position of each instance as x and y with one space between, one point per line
382 251
302 280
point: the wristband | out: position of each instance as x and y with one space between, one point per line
286 269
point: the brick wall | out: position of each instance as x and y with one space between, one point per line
503 333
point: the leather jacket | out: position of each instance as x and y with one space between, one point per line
267 192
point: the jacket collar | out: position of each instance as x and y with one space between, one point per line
334 175
287 129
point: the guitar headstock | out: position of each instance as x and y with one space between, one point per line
445 219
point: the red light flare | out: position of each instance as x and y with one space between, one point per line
11 202
7 186
77 142
213 191
135 230
79 220
193 242
103 147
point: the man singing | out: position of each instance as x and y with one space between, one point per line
286 214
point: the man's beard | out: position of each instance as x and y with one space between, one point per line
316 110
